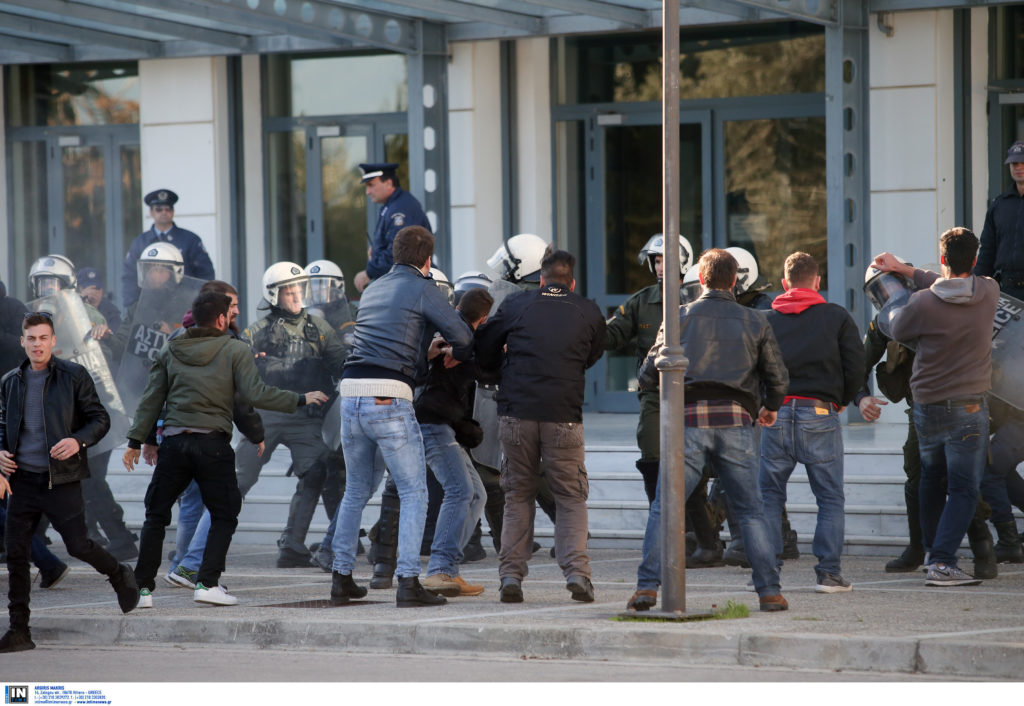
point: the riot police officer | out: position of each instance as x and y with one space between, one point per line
195 259
294 349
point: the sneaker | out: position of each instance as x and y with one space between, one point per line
145 598
214 595
442 584
17 641
468 589
945 575
183 578
50 579
832 583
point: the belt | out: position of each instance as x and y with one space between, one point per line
804 402
956 402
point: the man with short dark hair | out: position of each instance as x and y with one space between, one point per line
948 321
399 209
398 316
196 375
735 375
543 341
823 355
49 415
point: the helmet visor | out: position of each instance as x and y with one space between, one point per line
885 286
325 290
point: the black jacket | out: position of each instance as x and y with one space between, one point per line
822 351
12 315
732 351
553 335
1002 239
71 407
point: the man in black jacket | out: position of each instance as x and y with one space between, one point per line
550 337
822 351
43 450
735 376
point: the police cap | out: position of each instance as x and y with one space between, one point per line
161 197
377 170
1015 153
90 277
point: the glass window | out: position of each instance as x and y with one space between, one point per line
298 86
766 59
570 208
344 206
775 191
30 222
1008 52
286 196
72 94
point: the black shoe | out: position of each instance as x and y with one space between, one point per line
552 553
288 558
343 589
123 581
360 549
473 551
735 554
17 640
382 576
581 588
705 558
511 590
123 550
1008 548
911 558
51 577
985 565
412 595
536 547
97 538
323 560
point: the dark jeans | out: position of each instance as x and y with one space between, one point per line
954 443
209 460
1005 451
31 499
100 505
42 557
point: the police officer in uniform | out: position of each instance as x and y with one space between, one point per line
1001 255
161 210
293 349
399 209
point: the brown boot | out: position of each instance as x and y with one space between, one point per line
642 600
468 589
770 604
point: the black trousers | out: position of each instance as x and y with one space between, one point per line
209 460
31 499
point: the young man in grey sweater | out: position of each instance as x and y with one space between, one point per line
948 321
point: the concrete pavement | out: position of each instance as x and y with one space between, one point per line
889 624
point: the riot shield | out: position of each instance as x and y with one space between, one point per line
158 314
1008 351
72 327
485 404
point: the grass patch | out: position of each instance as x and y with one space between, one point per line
731 611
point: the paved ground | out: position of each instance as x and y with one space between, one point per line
889 624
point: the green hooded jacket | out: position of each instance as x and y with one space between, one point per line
197 375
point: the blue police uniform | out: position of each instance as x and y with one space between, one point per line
400 210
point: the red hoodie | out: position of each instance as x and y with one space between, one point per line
797 300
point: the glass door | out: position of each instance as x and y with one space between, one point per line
624 189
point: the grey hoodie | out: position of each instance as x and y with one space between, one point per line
949 322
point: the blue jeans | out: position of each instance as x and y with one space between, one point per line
810 436
190 512
454 471
1005 451
194 553
954 444
731 451
367 426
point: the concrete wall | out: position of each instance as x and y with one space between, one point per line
474 135
183 130
533 137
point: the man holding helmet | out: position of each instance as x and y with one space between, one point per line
296 351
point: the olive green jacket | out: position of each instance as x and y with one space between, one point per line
637 319
197 375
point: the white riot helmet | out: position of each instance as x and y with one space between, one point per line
882 287
50 274
746 273
690 289
656 246
472 280
160 255
518 259
284 274
441 280
326 282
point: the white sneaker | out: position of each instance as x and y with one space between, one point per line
214 596
145 599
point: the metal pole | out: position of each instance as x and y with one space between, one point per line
671 360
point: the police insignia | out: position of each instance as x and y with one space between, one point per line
162 196
152 252
398 219
295 270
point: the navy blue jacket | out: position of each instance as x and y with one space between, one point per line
197 260
1002 240
400 210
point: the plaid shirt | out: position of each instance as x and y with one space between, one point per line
716 414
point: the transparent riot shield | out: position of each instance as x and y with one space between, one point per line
73 329
485 404
1008 352
158 314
